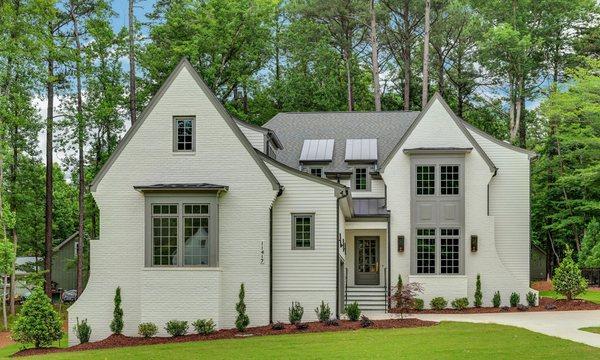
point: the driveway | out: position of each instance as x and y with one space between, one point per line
562 324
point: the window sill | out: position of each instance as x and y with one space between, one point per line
184 153
440 276
181 268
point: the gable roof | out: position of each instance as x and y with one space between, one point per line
184 63
457 121
73 236
295 127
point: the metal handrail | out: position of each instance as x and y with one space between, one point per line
346 288
385 287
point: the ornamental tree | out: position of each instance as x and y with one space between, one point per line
38 323
567 278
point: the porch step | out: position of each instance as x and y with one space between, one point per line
369 298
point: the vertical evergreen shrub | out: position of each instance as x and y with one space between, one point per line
496 300
567 278
242 321
478 295
83 331
116 325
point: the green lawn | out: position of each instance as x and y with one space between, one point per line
592 329
445 341
593 296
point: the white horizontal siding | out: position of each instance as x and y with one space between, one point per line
377 189
256 138
307 276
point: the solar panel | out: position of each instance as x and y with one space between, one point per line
361 149
317 150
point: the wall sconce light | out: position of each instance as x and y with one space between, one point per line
400 243
473 243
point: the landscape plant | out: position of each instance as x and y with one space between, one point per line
496 300
567 278
419 304
177 327
365 322
83 331
38 323
116 325
353 311
589 255
460 303
514 299
438 303
204 326
323 312
295 312
531 298
405 296
242 321
278 326
147 329
478 295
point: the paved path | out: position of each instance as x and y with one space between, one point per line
562 324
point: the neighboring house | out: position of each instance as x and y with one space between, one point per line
309 207
537 263
64 266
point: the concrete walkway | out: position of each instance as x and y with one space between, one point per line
562 324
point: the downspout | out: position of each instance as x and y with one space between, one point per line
389 252
337 255
279 193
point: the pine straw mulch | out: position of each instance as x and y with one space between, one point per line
546 304
115 341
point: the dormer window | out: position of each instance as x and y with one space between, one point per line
316 171
361 178
184 133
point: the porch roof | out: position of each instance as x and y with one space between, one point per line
369 207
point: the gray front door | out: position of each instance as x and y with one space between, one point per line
366 261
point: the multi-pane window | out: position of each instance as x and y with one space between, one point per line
449 183
303 231
317 171
184 134
164 234
425 180
449 251
182 233
196 230
360 179
425 251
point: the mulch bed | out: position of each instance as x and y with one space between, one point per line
546 304
115 341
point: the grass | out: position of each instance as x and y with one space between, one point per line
7 351
449 340
590 295
595 330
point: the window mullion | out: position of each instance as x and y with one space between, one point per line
180 234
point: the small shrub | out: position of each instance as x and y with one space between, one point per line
242 321
278 326
301 326
522 307
531 298
514 299
365 322
116 325
496 300
204 326
353 311
323 311
478 295
438 303
295 312
504 308
177 327
147 330
83 331
419 304
567 278
332 322
38 323
460 303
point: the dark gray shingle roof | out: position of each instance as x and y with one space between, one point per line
293 128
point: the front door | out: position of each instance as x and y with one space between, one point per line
367 261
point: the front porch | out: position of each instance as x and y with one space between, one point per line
366 266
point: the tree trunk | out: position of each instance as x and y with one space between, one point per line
13 176
81 164
349 79
425 93
441 83
132 90
4 317
375 58
406 54
49 185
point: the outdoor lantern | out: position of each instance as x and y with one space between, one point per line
400 243
473 243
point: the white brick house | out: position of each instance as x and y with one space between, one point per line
309 207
